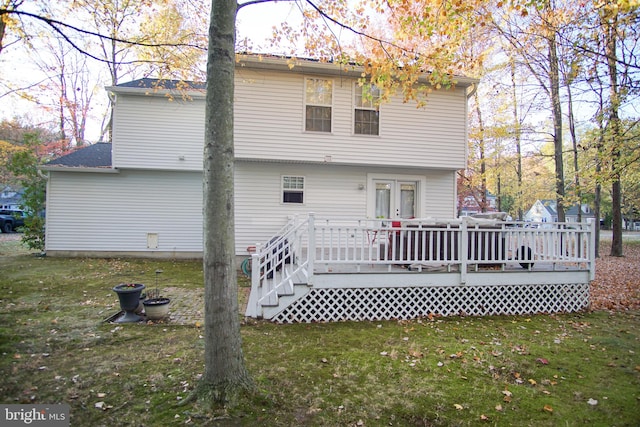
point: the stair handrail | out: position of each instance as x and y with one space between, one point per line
281 249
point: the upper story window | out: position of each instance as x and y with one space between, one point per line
318 104
367 111
293 189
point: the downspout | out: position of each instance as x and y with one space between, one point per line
470 91
474 89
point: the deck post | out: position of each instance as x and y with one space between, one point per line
464 249
311 250
254 296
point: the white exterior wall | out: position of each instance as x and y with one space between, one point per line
330 191
113 212
154 131
270 125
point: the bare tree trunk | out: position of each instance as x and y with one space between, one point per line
554 81
574 142
614 126
483 158
598 190
225 374
517 129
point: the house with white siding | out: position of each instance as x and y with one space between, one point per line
306 140
341 180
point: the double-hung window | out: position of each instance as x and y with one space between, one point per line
293 189
367 110
318 104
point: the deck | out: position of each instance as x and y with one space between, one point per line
337 269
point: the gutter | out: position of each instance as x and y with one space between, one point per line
78 169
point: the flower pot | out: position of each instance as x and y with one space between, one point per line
129 296
156 308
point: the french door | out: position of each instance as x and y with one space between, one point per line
395 198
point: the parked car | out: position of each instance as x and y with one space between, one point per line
11 219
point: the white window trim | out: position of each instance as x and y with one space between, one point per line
304 189
421 181
304 104
354 107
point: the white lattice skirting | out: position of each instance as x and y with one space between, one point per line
325 305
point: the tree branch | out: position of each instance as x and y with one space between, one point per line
249 3
55 25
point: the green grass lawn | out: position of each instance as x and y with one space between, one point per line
543 370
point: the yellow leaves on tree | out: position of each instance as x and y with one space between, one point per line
6 151
404 46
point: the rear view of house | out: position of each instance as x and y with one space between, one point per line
307 139
350 204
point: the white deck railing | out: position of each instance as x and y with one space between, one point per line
326 245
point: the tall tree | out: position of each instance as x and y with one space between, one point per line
534 36
391 65
68 90
225 373
609 20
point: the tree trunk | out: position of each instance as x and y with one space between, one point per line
483 160
574 142
517 129
597 201
614 126
225 374
554 81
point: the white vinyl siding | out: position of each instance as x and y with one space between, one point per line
268 127
257 191
155 132
115 212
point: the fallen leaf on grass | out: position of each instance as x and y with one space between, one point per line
542 360
548 408
532 381
499 408
458 407
102 405
592 402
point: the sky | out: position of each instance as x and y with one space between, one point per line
254 22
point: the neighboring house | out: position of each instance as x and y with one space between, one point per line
306 140
542 211
571 214
546 211
468 205
10 198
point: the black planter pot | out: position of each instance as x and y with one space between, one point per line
129 296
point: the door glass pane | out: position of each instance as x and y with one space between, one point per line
383 200
407 200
